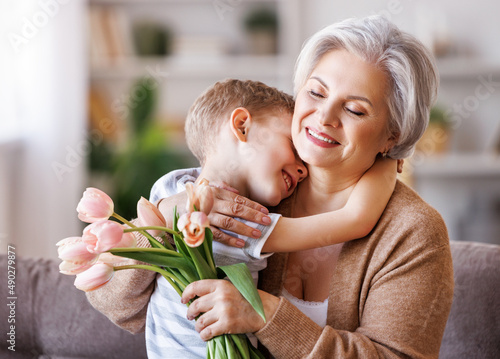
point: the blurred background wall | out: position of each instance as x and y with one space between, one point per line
94 93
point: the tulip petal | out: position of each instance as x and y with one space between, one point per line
150 215
72 268
95 205
200 197
102 235
94 277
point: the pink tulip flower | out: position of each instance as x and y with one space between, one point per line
199 197
94 206
128 240
94 277
192 225
76 258
149 215
111 259
103 235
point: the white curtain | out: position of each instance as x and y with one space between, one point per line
42 122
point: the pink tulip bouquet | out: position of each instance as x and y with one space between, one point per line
95 256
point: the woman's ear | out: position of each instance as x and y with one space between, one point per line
241 120
391 142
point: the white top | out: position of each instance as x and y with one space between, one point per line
168 332
317 311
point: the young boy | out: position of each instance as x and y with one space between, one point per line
240 131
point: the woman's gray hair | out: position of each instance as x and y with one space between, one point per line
411 70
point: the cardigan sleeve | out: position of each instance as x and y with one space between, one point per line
396 307
124 300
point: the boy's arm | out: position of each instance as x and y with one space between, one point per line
355 220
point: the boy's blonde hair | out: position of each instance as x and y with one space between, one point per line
211 108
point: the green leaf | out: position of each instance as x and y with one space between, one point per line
220 352
159 259
182 248
202 267
240 276
209 239
230 348
154 243
176 219
242 343
211 349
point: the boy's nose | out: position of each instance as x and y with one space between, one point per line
301 171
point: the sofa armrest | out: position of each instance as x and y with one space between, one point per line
54 319
473 327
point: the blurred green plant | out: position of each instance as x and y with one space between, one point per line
151 39
261 19
147 156
438 116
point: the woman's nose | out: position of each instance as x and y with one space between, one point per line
328 116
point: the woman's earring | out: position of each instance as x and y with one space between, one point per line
384 154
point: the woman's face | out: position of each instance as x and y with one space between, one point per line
341 115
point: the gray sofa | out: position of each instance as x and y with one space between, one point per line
54 320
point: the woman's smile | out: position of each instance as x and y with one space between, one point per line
320 138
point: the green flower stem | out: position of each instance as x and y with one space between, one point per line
158 228
167 243
154 242
208 255
242 344
179 275
148 250
126 221
178 285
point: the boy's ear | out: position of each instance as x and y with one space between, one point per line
241 120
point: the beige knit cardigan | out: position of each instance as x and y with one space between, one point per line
390 294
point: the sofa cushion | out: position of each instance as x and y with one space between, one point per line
53 319
473 328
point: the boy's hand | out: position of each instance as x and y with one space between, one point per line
228 204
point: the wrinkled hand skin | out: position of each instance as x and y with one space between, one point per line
223 309
227 206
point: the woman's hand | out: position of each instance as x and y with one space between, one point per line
228 204
224 309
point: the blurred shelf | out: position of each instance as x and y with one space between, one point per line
163 2
465 68
196 67
466 165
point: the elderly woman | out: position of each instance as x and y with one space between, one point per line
363 88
